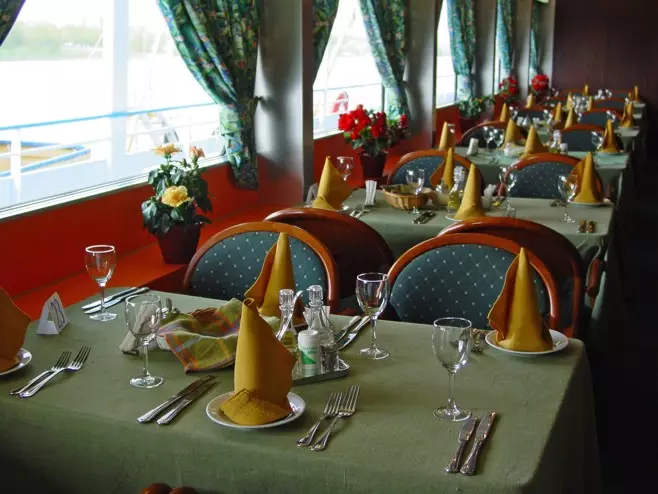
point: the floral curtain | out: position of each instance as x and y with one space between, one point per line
386 25
461 23
9 10
218 40
324 15
505 35
535 62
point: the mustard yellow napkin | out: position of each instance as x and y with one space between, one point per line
530 101
263 373
515 315
558 117
512 133
569 101
332 189
636 93
572 118
445 171
586 90
471 205
504 113
609 139
533 144
588 185
590 103
627 119
447 138
13 324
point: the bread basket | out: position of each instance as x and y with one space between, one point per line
402 196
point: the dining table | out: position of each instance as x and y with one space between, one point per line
80 433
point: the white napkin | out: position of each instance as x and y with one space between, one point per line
473 147
312 194
371 189
487 200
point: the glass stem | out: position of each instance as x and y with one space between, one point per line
373 321
566 209
145 351
451 391
101 286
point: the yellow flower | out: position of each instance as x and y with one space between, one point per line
196 152
167 149
175 196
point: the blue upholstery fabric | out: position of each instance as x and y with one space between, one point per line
232 265
616 105
597 118
578 140
539 180
525 112
455 280
428 163
620 94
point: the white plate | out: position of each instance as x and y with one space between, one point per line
590 204
560 342
216 415
24 357
451 218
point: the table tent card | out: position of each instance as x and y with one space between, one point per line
53 316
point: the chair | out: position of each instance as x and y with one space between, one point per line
537 175
230 261
620 93
532 112
579 137
599 117
462 275
558 254
477 132
428 159
355 246
611 104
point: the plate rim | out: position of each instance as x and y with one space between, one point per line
285 420
591 204
556 336
21 363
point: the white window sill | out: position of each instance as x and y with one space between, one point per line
328 133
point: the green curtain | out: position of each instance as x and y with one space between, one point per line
461 23
324 15
535 61
505 35
9 10
386 25
218 39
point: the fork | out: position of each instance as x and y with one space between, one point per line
330 411
60 364
76 365
346 409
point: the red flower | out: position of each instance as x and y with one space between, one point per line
404 122
345 122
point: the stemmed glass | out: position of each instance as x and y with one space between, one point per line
372 292
143 316
416 179
345 165
100 261
499 138
597 140
451 341
488 133
611 116
567 187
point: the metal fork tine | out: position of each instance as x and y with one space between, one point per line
83 358
355 397
330 403
64 359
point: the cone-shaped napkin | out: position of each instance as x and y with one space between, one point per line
586 90
533 144
332 188
447 138
471 206
636 93
558 117
13 324
515 315
263 373
569 101
588 183
504 113
627 120
572 118
512 133
530 101
445 171
590 103
609 139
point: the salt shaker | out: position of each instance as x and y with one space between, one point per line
473 146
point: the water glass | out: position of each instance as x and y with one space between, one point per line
143 316
499 138
416 180
488 133
451 341
597 140
372 292
567 187
100 261
345 165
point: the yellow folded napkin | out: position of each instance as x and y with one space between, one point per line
471 205
572 118
530 101
515 315
588 185
636 93
627 119
513 133
504 113
13 324
332 189
558 117
533 144
447 138
590 103
263 373
569 101
609 139
445 171
586 90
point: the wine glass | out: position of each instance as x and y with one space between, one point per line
372 292
597 140
416 179
499 138
451 341
345 165
488 133
567 187
143 316
100 261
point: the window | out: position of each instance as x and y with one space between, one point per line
446 82
89 88
348 75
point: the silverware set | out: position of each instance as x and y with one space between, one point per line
117 298
176 403
62 365
351 331
424 217
338 406
360 210
465 434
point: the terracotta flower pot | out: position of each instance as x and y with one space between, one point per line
179 244
373 166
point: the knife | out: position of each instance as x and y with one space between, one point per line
428 217
486 423
150 415
118 300
108 299
420 218
343 332
169 416
464 436
353 334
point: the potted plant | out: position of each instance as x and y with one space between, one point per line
374 133
539 86
509 89
172 213
470 110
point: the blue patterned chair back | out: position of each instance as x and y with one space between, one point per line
616 104
427 163
458 279
578 140
539 180
598 118
621 93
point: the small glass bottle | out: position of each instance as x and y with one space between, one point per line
319 322
286 334
555 142
455 194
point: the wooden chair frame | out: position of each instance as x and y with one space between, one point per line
423 154
333 293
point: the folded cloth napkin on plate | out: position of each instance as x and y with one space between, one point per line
371 190
533 144
530 101
588 185
447 138
572 118
332 189
471 205
627 119
590 103
263 373
635 94
513 133
609 139
445 171
13 324
504 113
515 315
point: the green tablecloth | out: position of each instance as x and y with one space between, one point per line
79 434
